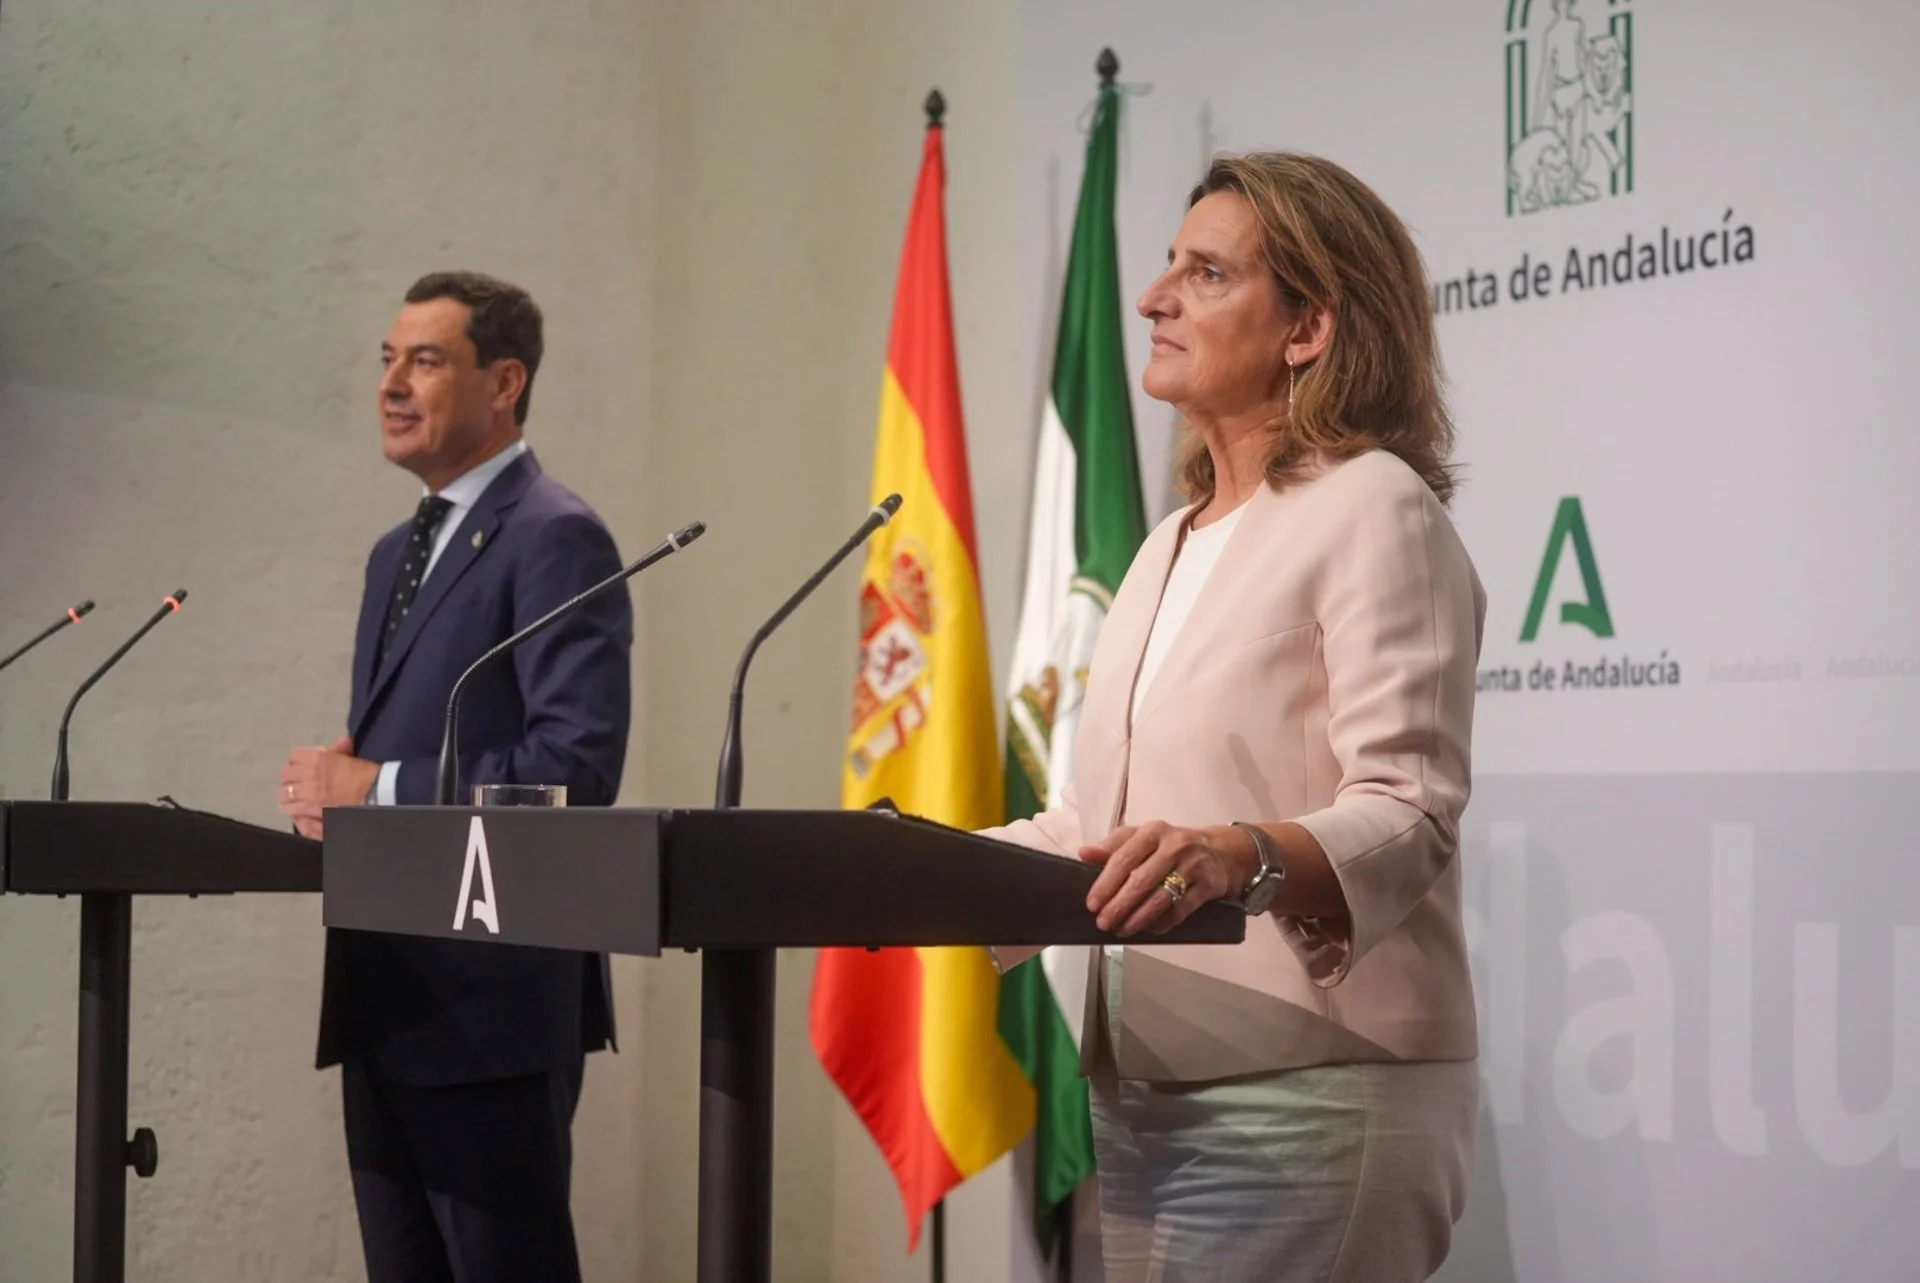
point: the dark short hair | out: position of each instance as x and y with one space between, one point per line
503 321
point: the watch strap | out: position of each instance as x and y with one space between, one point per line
1271 870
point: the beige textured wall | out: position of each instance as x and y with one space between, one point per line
207 213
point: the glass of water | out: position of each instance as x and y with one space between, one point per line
519 795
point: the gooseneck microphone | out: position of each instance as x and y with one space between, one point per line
736 1020
169 606
72 617
449 750
727 787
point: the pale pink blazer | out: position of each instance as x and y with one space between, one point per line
1325 676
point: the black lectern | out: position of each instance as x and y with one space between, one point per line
734 881
106 853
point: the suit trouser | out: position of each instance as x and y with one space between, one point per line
466 1183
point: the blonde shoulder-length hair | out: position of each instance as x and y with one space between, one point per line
1331 243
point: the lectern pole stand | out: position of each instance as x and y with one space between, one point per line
104 854
100 1101
736 1115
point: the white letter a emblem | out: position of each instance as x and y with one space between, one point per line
483 908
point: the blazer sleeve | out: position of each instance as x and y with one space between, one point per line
575 677
1401 613
1056 830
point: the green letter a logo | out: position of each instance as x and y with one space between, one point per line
1570 526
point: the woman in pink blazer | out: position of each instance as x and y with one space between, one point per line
1278 713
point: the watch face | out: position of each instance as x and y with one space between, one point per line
1260 895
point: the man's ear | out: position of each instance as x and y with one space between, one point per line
509 375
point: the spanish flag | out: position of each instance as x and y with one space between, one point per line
911 1036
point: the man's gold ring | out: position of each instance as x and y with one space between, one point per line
1176 885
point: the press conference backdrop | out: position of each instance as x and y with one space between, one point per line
1676 292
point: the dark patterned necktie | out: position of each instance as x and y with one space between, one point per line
413 566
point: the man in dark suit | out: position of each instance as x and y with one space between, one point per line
461 1063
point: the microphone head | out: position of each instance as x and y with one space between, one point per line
890 505
84 608
687 534
175 597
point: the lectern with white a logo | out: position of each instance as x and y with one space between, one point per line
738 882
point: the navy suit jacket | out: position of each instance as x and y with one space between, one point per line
437 1012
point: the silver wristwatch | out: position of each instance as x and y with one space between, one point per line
1266 884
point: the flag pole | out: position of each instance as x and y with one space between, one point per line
936 109
1089 524
1107 65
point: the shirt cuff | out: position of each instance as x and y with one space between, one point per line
388 781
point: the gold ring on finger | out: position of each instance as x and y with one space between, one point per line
1176 885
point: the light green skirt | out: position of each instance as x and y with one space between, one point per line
1330 1174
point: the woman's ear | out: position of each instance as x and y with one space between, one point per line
1311 334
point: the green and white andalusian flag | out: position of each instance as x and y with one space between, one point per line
1088 521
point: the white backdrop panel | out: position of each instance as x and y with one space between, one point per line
1740 443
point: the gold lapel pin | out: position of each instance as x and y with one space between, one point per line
478 538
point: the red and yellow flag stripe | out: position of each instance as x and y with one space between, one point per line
911 1035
